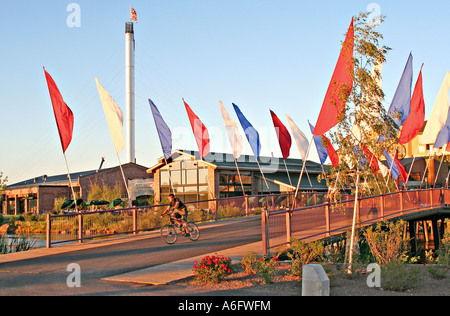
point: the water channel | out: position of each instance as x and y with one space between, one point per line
37 241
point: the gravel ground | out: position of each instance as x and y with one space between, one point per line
285 285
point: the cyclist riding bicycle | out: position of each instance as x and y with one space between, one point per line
179 212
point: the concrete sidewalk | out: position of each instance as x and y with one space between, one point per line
90 244
166 273
156 275
75 246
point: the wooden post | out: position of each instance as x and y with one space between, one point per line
401 202
418 198
413 236
134 221
327 219
80 227
49 231
264 231
288 227
246 204
216 211
382 207
436 234
425 231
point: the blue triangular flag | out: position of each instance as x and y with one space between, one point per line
394 170
165 136
250 132
401 102
321 151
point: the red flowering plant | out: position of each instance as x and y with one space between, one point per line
264 267
212 269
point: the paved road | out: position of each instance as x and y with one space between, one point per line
48 275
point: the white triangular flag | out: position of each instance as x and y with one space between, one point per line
300 138
114 117
233 132
438 115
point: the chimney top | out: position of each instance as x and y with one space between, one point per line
129 27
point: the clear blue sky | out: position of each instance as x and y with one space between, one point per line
259 54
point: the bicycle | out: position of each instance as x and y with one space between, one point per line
169 232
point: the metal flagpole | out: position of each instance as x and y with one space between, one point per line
425 171
235 162
240 178
412 164
309 179
70 182
439 169
262 173
446 181
390 171
207 179
290 181
170 175
303 168
124 181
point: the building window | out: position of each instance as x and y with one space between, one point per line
230 184
188 180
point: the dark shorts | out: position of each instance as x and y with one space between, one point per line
180 213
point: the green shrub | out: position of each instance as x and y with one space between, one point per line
444 252
104 192
437 272
304 253
386 242
229 210
396 277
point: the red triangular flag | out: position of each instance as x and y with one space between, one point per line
339 89
401 169
331 152
200 132
371 159
63 114
284 138
416 118
133 15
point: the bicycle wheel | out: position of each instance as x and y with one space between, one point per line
168 234
194 232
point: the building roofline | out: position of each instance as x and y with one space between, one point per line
245 162
60 180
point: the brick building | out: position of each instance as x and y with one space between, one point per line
216 176
38 194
